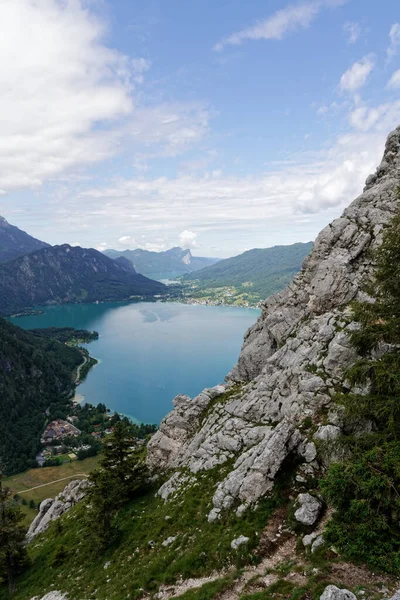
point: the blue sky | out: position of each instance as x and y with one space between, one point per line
219 126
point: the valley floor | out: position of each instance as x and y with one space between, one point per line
47 482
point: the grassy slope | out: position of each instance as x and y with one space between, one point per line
135 565
268 270
35 477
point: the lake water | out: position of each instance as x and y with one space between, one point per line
150 352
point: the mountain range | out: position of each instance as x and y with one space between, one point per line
59 274
163 265
14 242
261 271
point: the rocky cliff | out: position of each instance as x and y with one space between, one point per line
51 509
289 365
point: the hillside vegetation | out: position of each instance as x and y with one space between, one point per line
35 377
46 483
365 486
61 274
258 273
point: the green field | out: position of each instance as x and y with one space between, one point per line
49 480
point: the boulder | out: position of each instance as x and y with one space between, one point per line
236 543
334 593
327 433
214 515
308 451
317 543
309 509
170 540
308 539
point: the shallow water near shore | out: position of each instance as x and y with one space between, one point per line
150 352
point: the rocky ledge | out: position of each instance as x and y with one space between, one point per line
291 360
52 508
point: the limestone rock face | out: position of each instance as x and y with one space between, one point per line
52 508
290 362
177 427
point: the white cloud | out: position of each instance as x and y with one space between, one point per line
254 206
169 129
127 241
102 246
67 99
58 81
364 118
287 20
394 82
352 31
290 202
139 67
324 109
356 77
394 36
188 239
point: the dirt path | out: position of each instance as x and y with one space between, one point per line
56 481
258 574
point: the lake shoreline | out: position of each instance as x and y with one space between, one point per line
149 352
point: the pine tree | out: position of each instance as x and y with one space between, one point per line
122 475
13 554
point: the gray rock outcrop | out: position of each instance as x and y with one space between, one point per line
236 543
52 508
309 509
56 595
317 543
331 592
290 362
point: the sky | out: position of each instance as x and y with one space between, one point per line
217 126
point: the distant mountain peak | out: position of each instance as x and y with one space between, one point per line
167 264
14 242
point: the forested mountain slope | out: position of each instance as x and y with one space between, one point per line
59 274
35 375
262 271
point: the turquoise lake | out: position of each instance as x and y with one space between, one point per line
150 352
